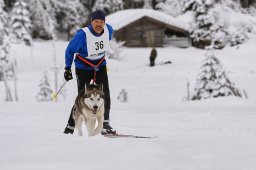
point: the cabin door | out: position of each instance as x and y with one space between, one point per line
150 38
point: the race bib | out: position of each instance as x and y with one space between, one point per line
97 46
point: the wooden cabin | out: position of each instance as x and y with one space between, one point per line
148 28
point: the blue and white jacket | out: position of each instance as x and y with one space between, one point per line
78 44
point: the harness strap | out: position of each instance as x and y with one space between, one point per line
95 67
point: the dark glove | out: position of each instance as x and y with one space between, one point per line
68 74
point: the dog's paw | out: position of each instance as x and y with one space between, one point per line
90 134
80 134
95 133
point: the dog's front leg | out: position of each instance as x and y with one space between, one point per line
79 122
90 126
100 125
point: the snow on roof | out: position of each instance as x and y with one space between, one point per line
122 18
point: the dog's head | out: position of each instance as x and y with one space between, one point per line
94 97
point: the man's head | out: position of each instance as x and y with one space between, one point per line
98 21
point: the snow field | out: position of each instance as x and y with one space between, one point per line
191 135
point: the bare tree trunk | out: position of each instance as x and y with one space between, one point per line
15 89
8 97
15 82
8 93
31 52
188 92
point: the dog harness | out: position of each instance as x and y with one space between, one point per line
95 67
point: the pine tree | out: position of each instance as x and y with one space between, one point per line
115 5
147 4
109 6
88 4
72 16
45 90
212 81
9 4
123 96
75 17
7 64
5 68
3 34
8 67
237 36
20 22
42 14
116 49
171 7
3 22
99 4
207 28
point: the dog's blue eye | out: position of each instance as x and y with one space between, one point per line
91 99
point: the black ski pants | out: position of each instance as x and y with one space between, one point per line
83 78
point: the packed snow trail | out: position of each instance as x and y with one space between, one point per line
189 137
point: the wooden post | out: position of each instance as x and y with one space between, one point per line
188 92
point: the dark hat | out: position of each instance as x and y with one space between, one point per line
98 14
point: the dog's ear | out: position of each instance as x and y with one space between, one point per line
81 93
89 87
86 95
102 95
100 87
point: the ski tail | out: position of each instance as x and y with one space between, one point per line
117 135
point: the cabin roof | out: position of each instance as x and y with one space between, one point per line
123 18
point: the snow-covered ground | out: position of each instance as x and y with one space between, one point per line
213 134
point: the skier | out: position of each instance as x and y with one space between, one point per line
89 46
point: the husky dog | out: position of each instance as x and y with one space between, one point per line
89 107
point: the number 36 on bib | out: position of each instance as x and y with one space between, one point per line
97 44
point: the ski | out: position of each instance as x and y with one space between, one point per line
117 135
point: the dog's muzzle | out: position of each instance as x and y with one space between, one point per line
95 108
